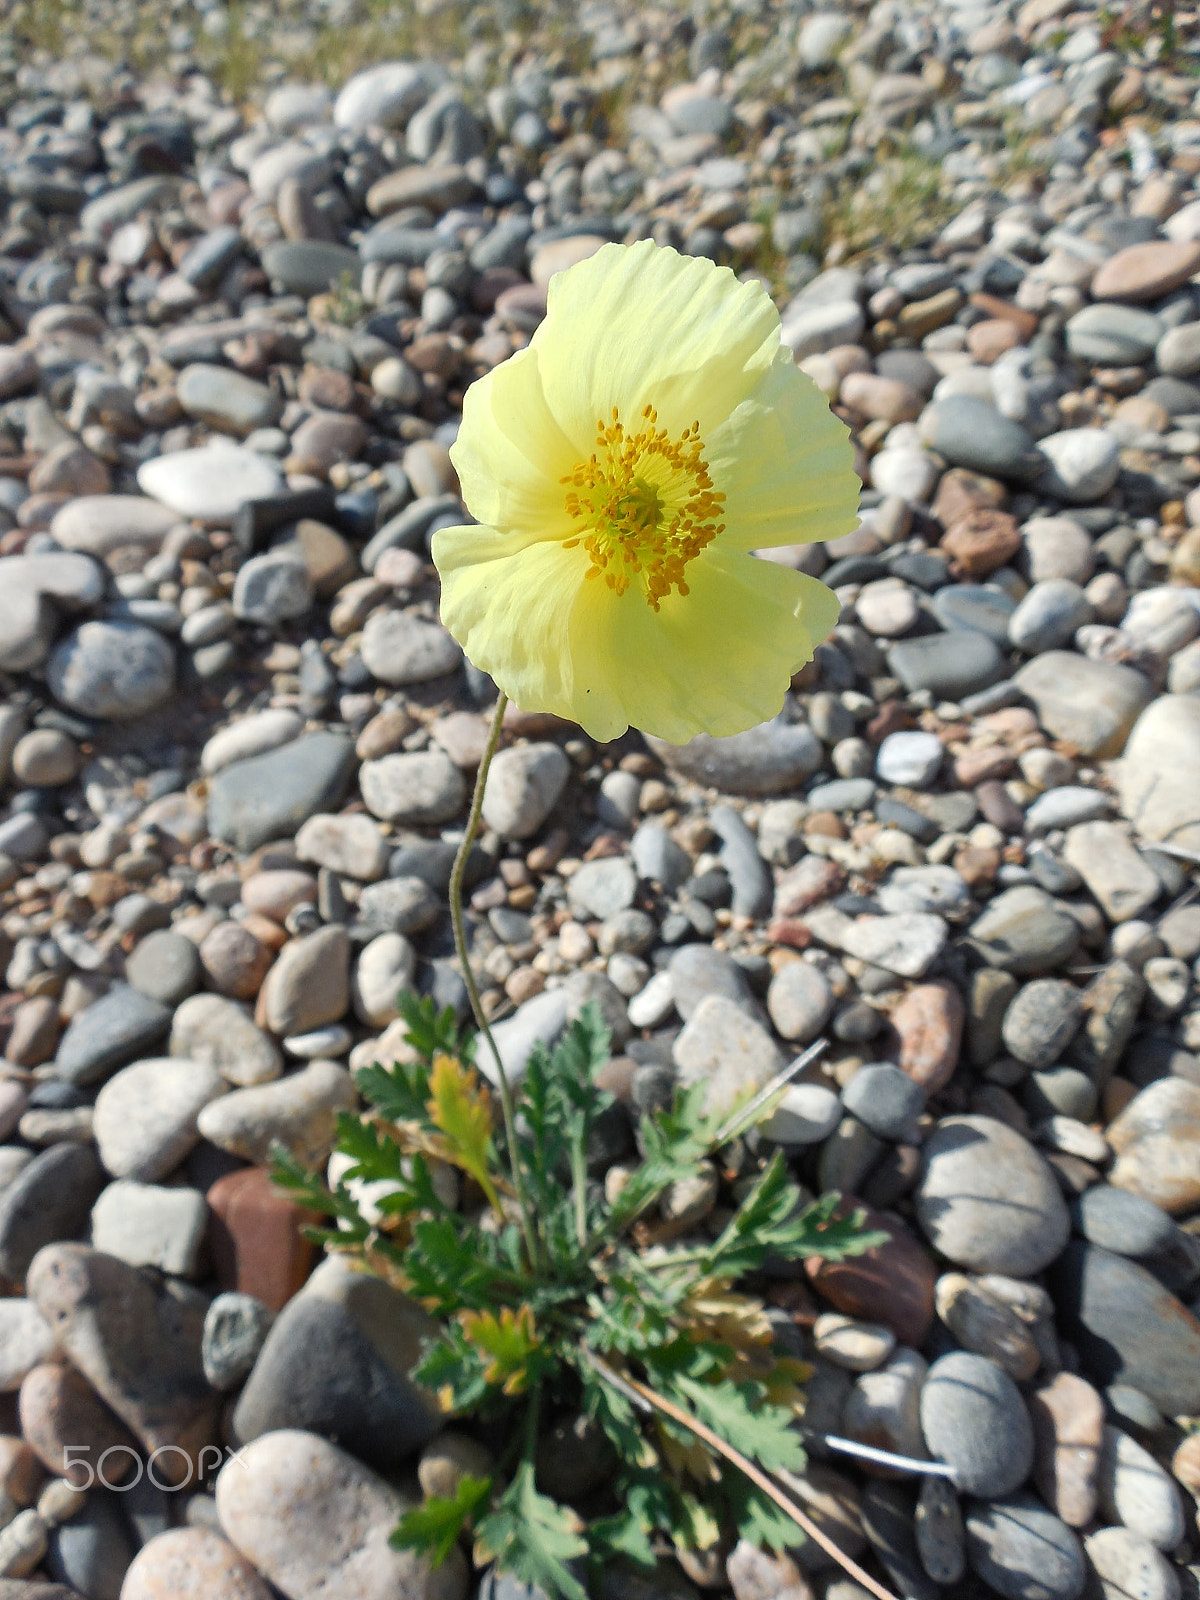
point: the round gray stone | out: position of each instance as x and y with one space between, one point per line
987 1200
1022 1551
974 1419
113 671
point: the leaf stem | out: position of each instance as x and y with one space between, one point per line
457 874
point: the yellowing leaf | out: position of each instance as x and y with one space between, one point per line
461 1107
510 1340
713 1311
691 1460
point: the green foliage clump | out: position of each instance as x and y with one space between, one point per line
575 1301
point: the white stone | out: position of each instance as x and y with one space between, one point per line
97 524
250 736
149 1225
210 483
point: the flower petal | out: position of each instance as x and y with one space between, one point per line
717 660
511 602
511 453
638 325
785 465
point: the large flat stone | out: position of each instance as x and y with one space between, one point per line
269 796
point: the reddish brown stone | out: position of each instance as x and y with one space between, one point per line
977 766
34 1036
1068 1431
893 717
961 491
234 961
791 932
1145 271
21 1473
810 881
892 1284
977 865
64 1421
327 389
1026 322
987 341
981 542
999 807
256 1234
929 1021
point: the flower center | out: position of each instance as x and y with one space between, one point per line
644 506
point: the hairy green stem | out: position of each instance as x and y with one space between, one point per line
457 874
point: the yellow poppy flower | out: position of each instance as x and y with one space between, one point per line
623 468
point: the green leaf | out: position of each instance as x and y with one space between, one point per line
453 1369
435 1527
431 1031
758 1519
627 1532
308 1190
673 1142
399 1092
452 1266
534 1538
737 1413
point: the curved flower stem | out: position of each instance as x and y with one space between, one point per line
457 874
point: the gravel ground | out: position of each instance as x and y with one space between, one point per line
238 311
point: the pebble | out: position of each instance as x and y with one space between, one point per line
1157 782
135 1337
145 1117
115 671
217 1033
1128 1328
313 1521
268 796
416 789
1091 705
1128 1565
910 759
191 1564
523 787
800 1002
1136 1492
973 1418
299 1111
987 1200
336 1362
885 1099
211 483
1023 1551
724 1048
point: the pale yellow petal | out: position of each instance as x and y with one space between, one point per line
785 465
510 453
511 602
638 325
717 660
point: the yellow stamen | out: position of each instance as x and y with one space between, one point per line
645 506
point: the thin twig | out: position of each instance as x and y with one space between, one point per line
649 1398
885 1458
457 873
745 1115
